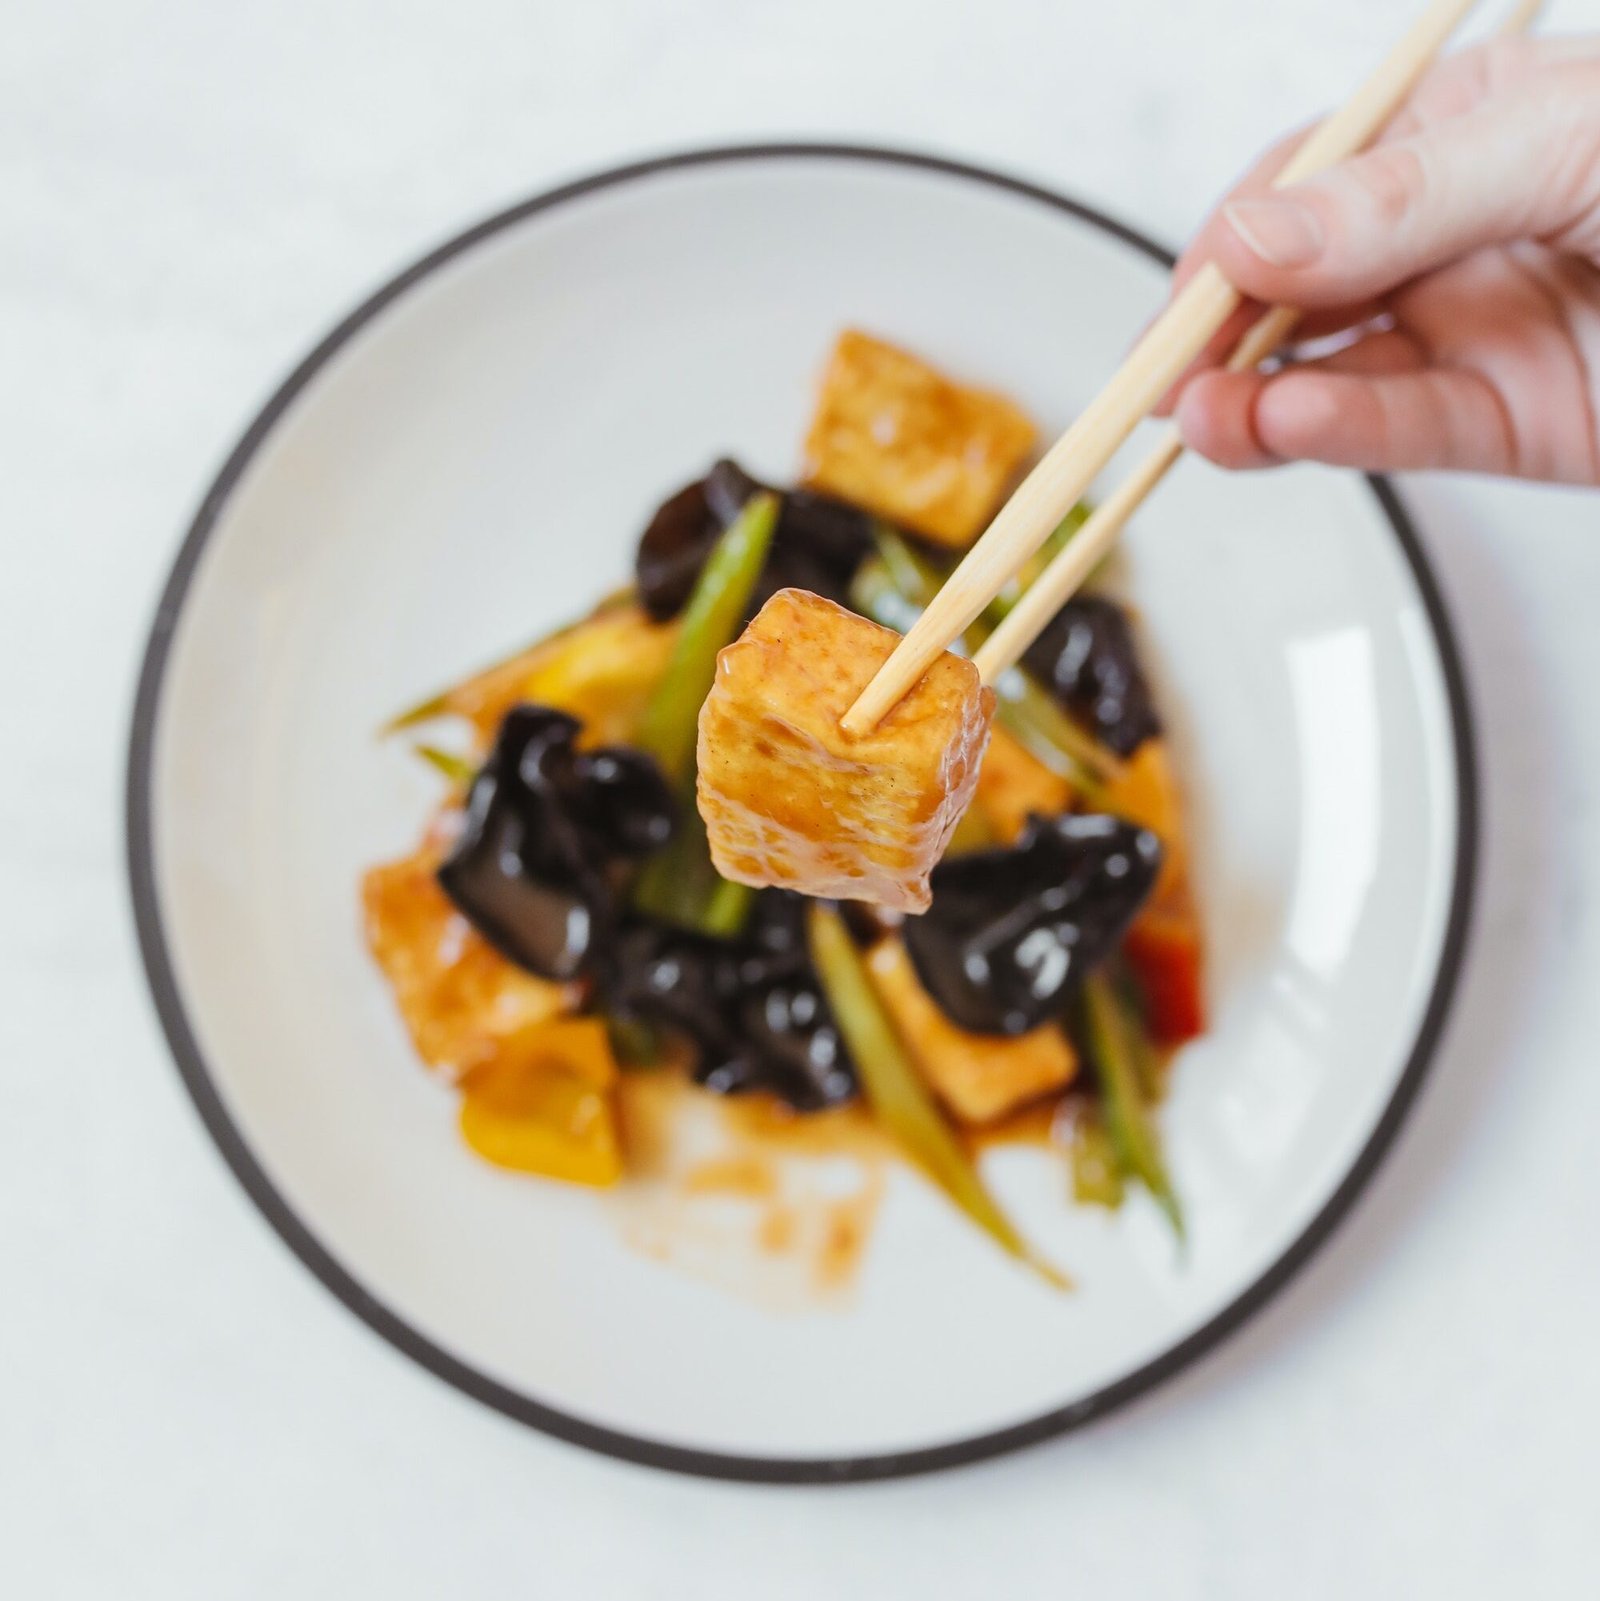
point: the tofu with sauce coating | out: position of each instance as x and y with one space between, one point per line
790 799
1014 785
980 1077
461 1000
892 434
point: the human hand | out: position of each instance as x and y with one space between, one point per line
1461 257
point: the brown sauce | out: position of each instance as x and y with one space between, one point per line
775 1206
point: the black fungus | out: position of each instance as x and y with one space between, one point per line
726 488
626 802
673 549
773 945
750 1007
543 823
794 1047
671 979
1011 933
1089 657
817 545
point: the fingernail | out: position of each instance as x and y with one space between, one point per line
1282 232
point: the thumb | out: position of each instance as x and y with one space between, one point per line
1523 166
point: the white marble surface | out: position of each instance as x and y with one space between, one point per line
188 194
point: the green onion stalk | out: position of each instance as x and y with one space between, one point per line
679 884
1003 604
898 1095
1096 1172
458 769
1115 1039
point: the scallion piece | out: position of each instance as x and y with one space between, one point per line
897 1094
1111 1029
679 884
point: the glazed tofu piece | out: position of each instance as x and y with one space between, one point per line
790 799
1014 785
461 1000
893 435
979 1077
1146 793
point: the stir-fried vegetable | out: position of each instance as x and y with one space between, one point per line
1111 1033
875 594
710 621
916 575
544 1106
544 823
978 1077
679 884
750 1006
1163 950
973 833
1051 736
817 544
634 1042
456 768
1013 786
1096 1173
501 682
1088 656
604 672
1011 933
897 1093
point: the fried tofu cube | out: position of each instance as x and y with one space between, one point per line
893 435
1165 947
1014 785
1146 792
460 999
979 1077
790 799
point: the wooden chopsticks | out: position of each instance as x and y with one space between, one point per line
1174 340
1051 590
1056 584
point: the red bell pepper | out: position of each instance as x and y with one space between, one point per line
1163 951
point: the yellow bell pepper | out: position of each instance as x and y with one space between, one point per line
604 673
602 670
544 1104
1146 792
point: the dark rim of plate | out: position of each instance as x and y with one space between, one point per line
299 1236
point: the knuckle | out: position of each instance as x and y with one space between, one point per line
1569 115
1391 182
1507 61
1463 82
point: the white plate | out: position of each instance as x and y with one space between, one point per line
467 459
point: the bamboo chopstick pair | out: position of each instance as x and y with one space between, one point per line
1175 339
